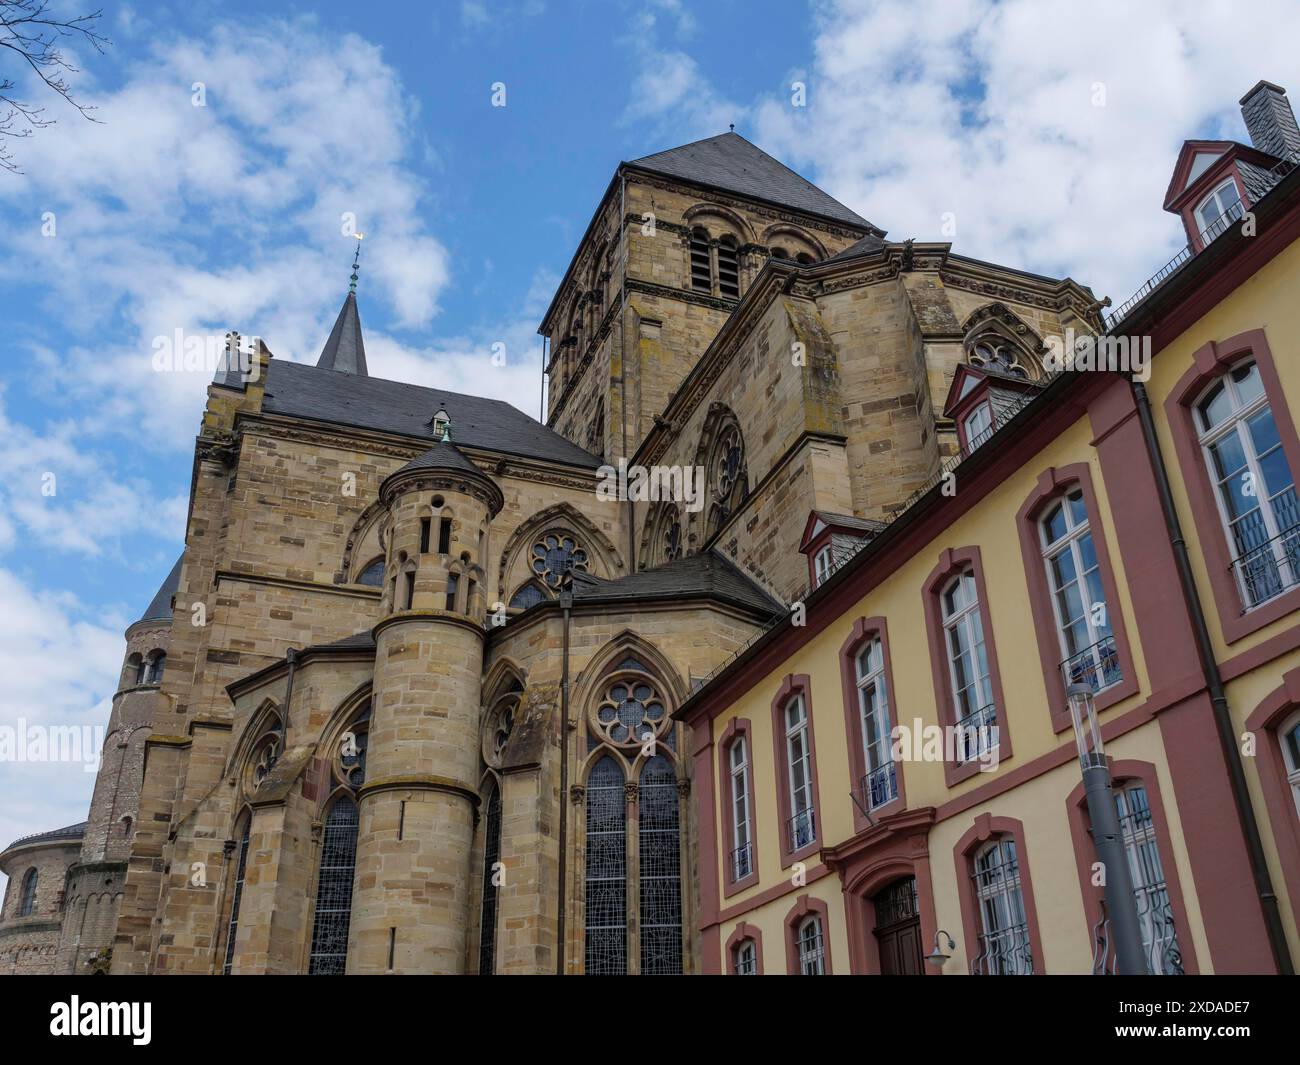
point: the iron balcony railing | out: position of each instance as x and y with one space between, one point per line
977 733
802 829
1096 666
1268 570
742 862
880 786
1004 953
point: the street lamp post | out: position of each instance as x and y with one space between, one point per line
1120 899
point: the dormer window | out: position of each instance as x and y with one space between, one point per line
822 565
1218 209
441 424
978 426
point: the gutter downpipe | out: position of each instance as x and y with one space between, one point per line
1218 697
566 605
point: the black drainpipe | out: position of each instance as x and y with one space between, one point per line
566 605
292 658
1218 697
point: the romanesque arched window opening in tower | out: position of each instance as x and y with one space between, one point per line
555 556
453 582
491 855
444 535
701 271
606 878
28 903
426 524
728 268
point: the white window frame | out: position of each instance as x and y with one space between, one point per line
1290 759
975 427
1146 868
801 795
1071 541
873 710
1221 204
965 625
812 947
746 958
1000 897
741 827
1236 423
822 565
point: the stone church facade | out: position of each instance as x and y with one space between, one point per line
406 702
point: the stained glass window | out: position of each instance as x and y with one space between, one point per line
338 863
661 889
487 937
237 892
555 556
606 871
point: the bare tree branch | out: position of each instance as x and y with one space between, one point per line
28 34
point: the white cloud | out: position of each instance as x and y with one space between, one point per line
986 110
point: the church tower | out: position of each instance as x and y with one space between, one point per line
676 242
418 807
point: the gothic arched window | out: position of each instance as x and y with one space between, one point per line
491 855
373 574
338 856
727 476
28 903
993 352
661 878
555 556
236 896
606 927
527 595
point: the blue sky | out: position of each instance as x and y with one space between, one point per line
173 216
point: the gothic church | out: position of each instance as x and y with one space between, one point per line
406 702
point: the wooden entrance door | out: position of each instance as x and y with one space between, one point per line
898 929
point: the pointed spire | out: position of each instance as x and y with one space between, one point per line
344 350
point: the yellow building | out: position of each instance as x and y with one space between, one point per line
893 764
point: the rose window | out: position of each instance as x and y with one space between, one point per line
352 752
996 356
555 556
673 538
631 711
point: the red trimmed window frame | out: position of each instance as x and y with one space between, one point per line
1129 771
806 906
1054 483
745 933
1210 362
951 562
737 728
1284 819
986 828
794 684
865 629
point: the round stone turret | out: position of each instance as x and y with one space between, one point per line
417 807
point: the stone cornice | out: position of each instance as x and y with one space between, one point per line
417 782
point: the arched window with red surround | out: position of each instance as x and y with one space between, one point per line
999 919
736 771
807 938
866 679
1072 589
1162 918
1238 449
964 664
1275 728
745 951
795 754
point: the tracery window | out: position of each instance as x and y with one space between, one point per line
499 722
527 595
555 556
634 906
727 475
994 352
606 930
373 574
487 936
661 887
338 860
236 896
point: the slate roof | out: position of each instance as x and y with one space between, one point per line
69 832
868 245
442 456
730 162
848 521
160 607
707 574
296 389
359 641
344 351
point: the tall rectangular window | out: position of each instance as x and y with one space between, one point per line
812 954
444 536
968 669
1078 598
425 524
802 827
236 896
742 857
606 874
880 785
338 862
1004 929
1155 914
660 869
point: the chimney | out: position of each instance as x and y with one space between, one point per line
1271 121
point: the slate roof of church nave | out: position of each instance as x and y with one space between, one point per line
297 389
